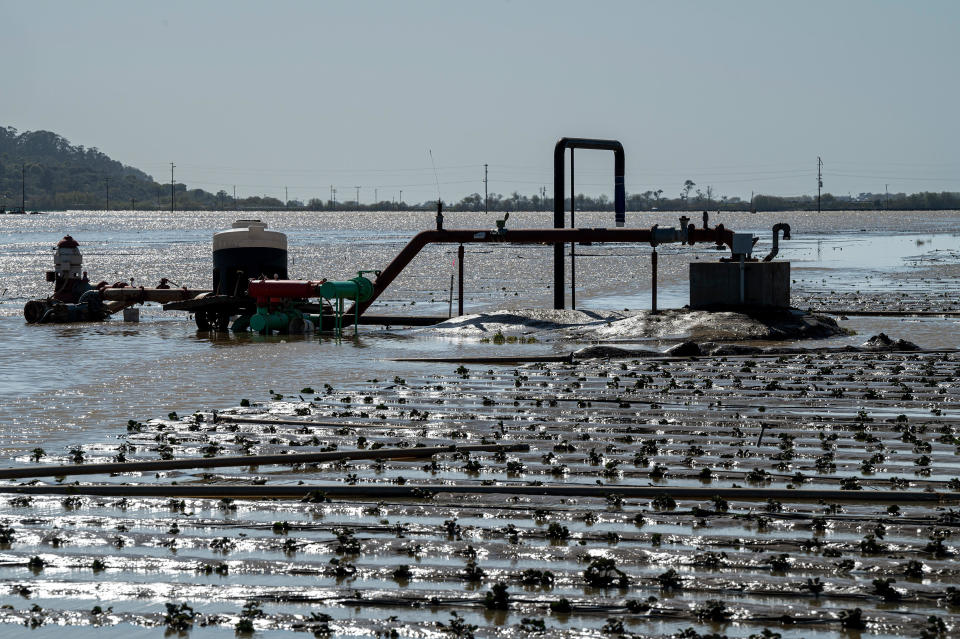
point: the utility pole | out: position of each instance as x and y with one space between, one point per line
286 197
376 197
107 180
173 193
401 198
234 196
358 197
819 180
23 187
133 204
486 197
886 196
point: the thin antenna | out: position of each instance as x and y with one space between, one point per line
486 193
435 175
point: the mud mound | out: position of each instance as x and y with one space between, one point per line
609 326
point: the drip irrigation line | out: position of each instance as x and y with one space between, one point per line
507 359
219 491
889 313
249 460
306 422
571 358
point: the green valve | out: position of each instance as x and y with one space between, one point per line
263 321
358 289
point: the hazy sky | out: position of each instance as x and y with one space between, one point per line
738 95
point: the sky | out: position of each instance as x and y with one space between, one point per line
740 96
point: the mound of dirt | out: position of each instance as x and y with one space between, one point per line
611 326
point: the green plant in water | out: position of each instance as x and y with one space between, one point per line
670 580
497 598
562 606
457 627
179 618
713 610
603 573
852 619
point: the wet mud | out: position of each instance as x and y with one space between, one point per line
682 475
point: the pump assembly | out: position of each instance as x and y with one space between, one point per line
251 290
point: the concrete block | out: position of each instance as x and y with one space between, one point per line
715 285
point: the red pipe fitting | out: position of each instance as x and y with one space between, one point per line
266 291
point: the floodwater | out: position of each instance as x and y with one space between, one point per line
61 384
808 423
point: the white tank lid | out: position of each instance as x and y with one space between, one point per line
246 224
249 234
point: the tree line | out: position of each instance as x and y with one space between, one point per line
57 175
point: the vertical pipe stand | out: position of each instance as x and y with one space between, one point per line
653 276
573 245
460 252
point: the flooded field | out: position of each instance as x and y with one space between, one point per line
791 493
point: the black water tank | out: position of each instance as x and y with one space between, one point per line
247 251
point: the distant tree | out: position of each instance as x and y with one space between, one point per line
687 187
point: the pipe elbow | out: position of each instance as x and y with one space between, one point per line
781 227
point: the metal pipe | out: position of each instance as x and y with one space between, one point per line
619 197
782 226
555 236
653 276
248 460
375 491
573 246
140 294
460 253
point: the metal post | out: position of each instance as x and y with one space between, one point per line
450 299
742 287
460 252
356 308
573 245
653 288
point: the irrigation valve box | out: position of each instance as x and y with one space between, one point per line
743 243
716 285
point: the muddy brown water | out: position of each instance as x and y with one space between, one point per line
876 422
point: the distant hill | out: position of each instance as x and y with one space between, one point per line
60 175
